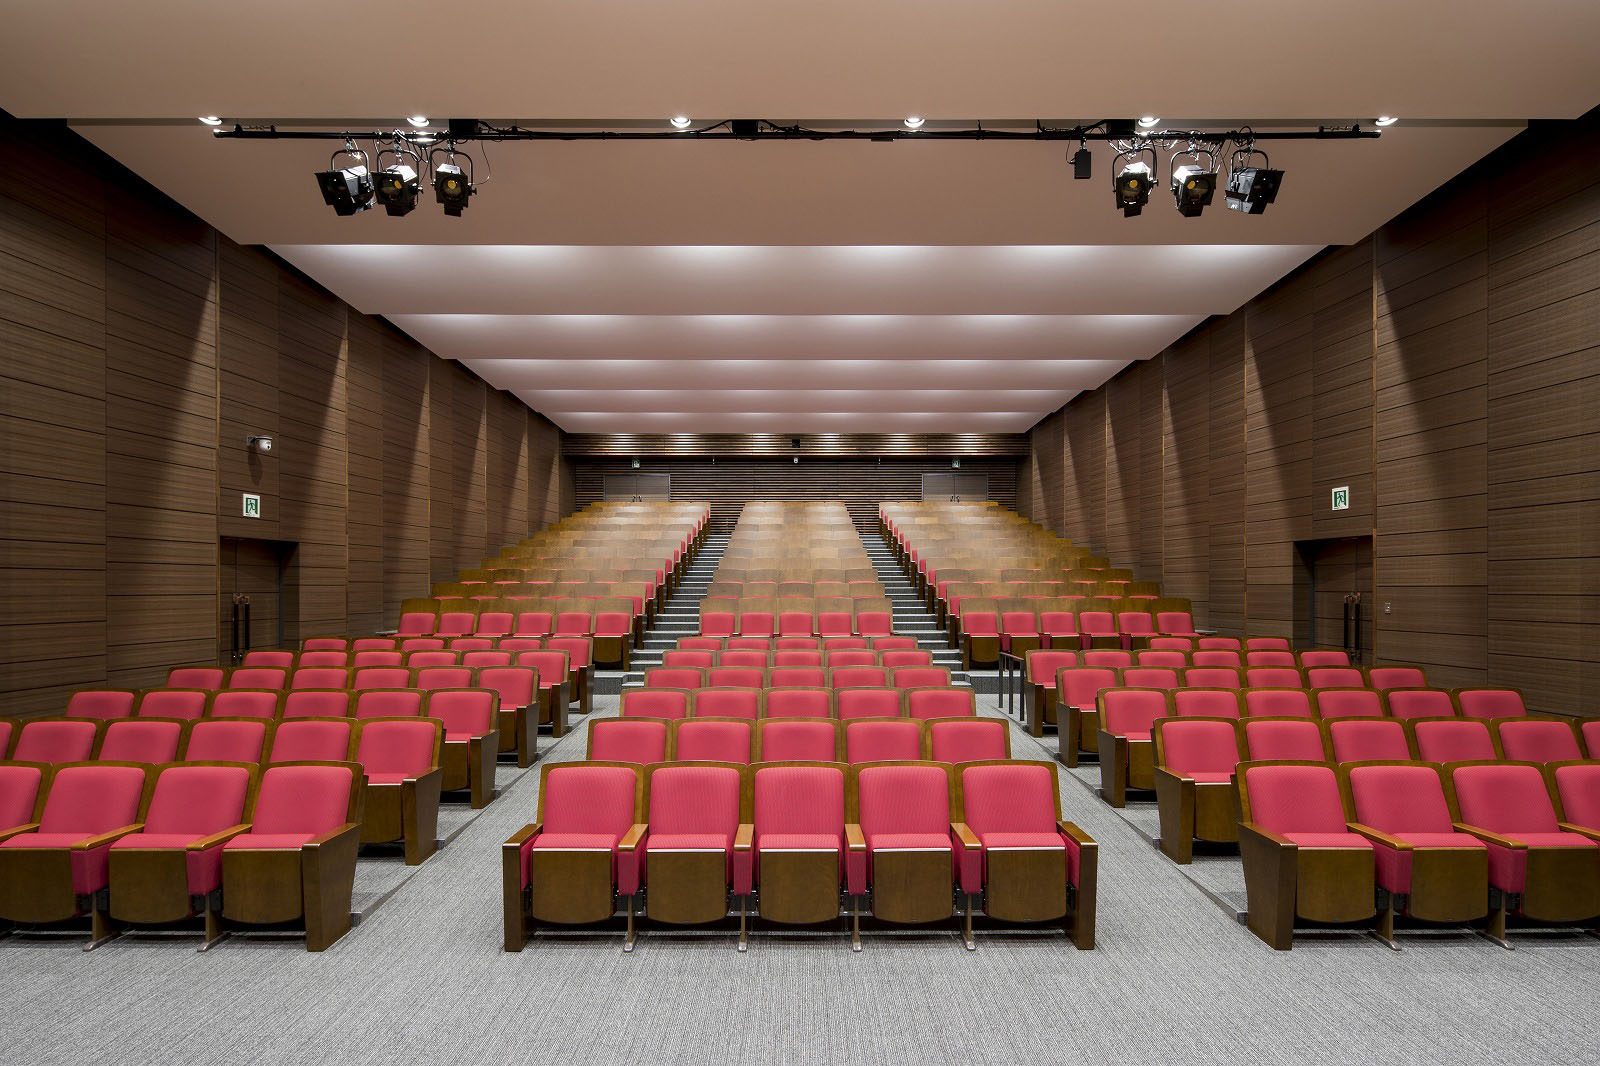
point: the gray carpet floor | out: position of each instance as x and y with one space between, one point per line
1174 979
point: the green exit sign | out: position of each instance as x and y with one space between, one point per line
252 505
1341 498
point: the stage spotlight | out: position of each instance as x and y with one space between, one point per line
1133 181
348 190
452 185
397 189
1251 189
1193 184
1082 164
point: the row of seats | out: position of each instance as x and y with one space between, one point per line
152 845
860 588
845 703
838 618
741 740
757 677
704 660
613 633
983 628
798 843
1462 843
890 642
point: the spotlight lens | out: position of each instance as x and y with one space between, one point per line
1149 120
211 120
681 122
418 120
915 122
1386 120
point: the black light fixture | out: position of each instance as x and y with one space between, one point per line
397 185
1134 179
1082 163
451 184
1193 183
1251 189
348 190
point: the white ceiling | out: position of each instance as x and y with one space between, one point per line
678 286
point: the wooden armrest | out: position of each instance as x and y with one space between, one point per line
745 837
853 838
7 834
966 836
525 834
1267 834
1378 836
1490 837
100 840
221 836
332 834
1581 830
1070 829
631 839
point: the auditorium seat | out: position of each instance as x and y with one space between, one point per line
1059 630
1309 658
874 623
1109 658
908 677
883 740
852 657
1575 787
284 660
1418 703
1364 739
1346 703
898 830
171 869
691 659
1273 677
325 644
1207 703
796 657
1226 643
797 825
1541 871
940 702
979 633
1126 753
1446 740
340 677
674 677
613 638
1490 703
310 740
1194 764
1267 644
147 740
1077 692
471 721
1397 677
799 740
361 644
1301 861
867 702
1272 739
23 787
226 740
628 740
1319 677
305 703
400 757
1039 669
51 870
746 703
858 676
718 623
209 678
1537 740
532 693
1278 702
388 703
697 847
580 667
416 660
710 740
184 704
798 703
1172 660
298 860
380 677
477 660
1429 870
797 676
373 658
894 659
101 703
1271 658
1019 632
1031 866
1213 677
958 740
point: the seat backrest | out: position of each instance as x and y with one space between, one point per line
1578 786
1111 658
1508 798
1277 702
940 701
184 704
905 677
376 677
55 741
1272 677
324 644
1017 797
814 676
1223 657
303 799
1079 686
1218 642
388 703
197 799
1131 710
1491 703
432 657
394 746
87 800
717 623
101 703
386 657
914 798
141 740
731 702
858 676
1319 657
797 657
580 651
686 798
209 678
852 657
253 703
1418 703
711 740
798 800
1266 644
1212 677
1334 677
1397 677
1206 703
955 740
882 739
1171 660
1359 739
19 793
516 686
310 740
1290 798
308 703
226 740
331 677
1443 740
1198 745
1149 677
673 677
1284 738
581 798
635 740
797 739
373 644
1347 703
470 711
495 657
844 643
1399 799
1537 740
1283 659
798 703
867 701
894 659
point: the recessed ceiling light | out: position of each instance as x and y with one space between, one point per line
1148 121
211 120
418 121
915 122
1386 120
681 122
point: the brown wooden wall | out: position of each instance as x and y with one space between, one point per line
138 349
1447 369
861 484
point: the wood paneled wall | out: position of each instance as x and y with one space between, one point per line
138 349
1447 369
861 484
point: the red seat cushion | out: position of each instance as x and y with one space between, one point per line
1017 841
798 842
908 842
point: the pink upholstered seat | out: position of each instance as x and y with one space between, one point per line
699 643
843 643
377 677
1079 686
1283 738
1301 804
102 704
901 808
188 804
310 703
295 805
1364 739
798 739
1511 800
1204 750
852 657
456 621
1131 712
1578 786
1205 702
1060 630
757 624
867 702
797 657
465 712
226 740
906 677
1135 625
311 740
55 741
432 657
1109 658
134 740
1277 702
1418 703
1282 659
881 644
325 644
411 644
970 740
1149 677
728 703
1175 623
391 751
859 676
1347 703
282 659
940 702
798 808
673 677
717 623
1328 657
388 703
797 703
1018 624
183 704
84 802
534 624
209 678
1406 802
695 808
881 739
1318 677
515 686
1272 677
1183 644
327 677
418 623
1538 740
1397 677
792 676
386 657
1012 807
1042 666
711 740
640 740
1212 677
1170 660
373 644
1215 657
477 660
19 794
1266 644
874 623
1453 740
1491 703
1218 642
893 660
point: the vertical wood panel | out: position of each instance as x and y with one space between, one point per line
364 496
1184 522
1084 466
469 469
1226 607
406 524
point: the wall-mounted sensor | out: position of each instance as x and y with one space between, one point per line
259 444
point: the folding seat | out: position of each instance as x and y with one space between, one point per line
284 660
302 703
101 703
147 740
325 644
1078 693
504 644
1172 660
1019 632
1425 867
757 623
631 740
580 668
1195 760
171 868
1490 703
1136 625
793 644
1301 861
1059 630
534 623
663 703
939 701
883 740
761 644
185 704
1271 658
394 677
853 657
409 644
1110 658
697 847
1346 703
1214 657
1207 703
979 634
1325 657
835 621
1011 824
457 618
496 618
1127 755
904 677
798 703
475 660
874 623
226 740
746 703
209 678
796 658
695 660
858 676
1097 623
843 643
532 693
374 644
1591 737
898 828
812 676
1151 677
735 677
51 870
1267 644
462 645
1447 740
1213 677
1219 643
710 740
700 644
23 787
742 657
1277 702
401 759
323 658
418 618
1366 739
1334 677
1575 787
1396 677
416 660
1271 739
1536 740
798 835
1538 868
894 659
613 637
1417 703
388 703
298 860
310 740
1183 644
958 740
796 623
717 623
323 677
1272 677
